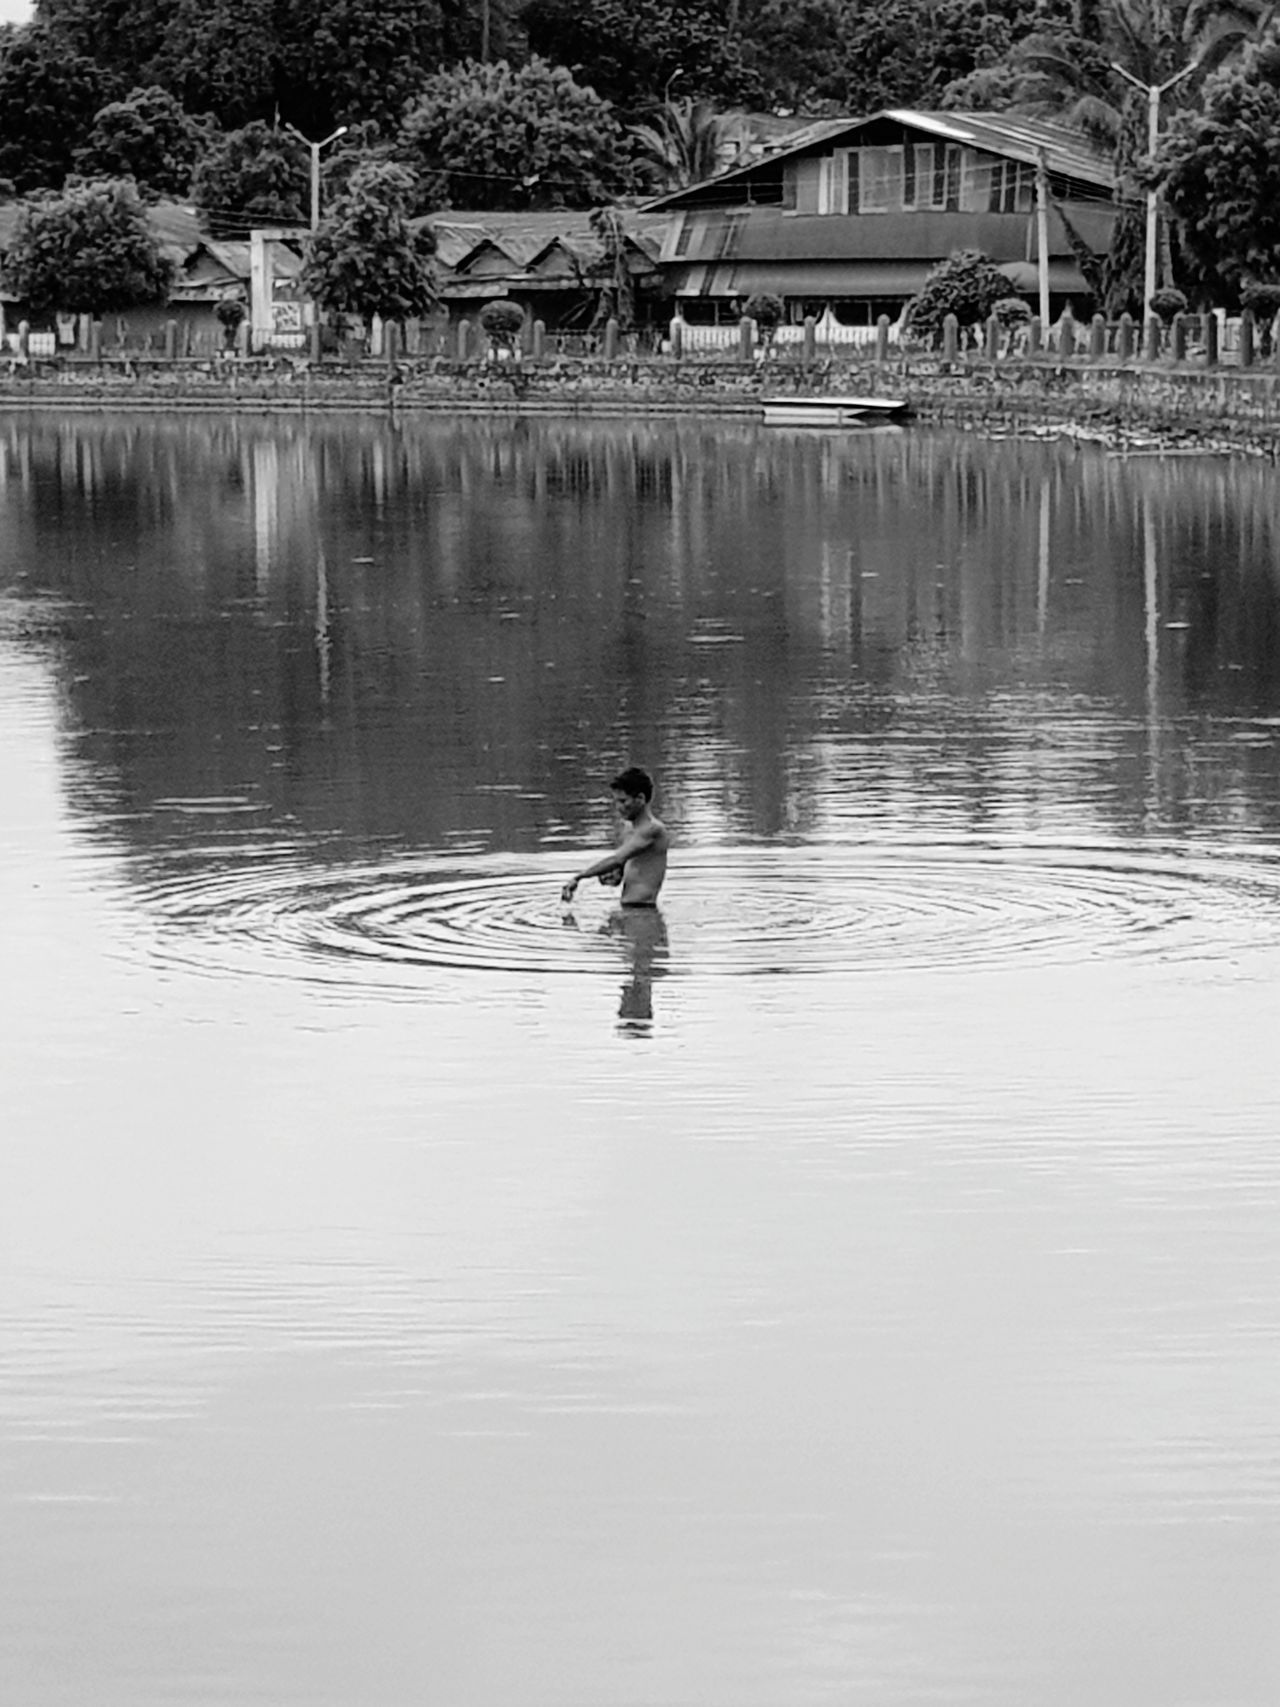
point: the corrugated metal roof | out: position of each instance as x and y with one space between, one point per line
1068 152
775 235
856 279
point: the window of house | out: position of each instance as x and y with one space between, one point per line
1013 187
833 182
951 178
922 174
726 235
880 180
683 235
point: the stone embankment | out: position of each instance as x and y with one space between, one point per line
1128 404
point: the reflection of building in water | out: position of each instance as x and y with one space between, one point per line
457 630
284 494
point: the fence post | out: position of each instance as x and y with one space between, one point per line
1179 337
677 337
95 340
991 338
1210 323
810 344
1067 335
1124 338
24 338
170 339
611 340
1152 341
463 340
313 341
539 340
746 338
950 337
1097 338
391 333
1035 335
882 340
1246 338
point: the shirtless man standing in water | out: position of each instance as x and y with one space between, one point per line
639 862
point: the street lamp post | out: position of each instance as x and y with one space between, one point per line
1153 92
315 148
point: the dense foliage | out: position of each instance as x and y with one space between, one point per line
253 176
513 104
1221 172
147 137
368 258
489 136
48 98
315 62
966 284
88 250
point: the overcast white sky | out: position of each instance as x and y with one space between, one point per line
14 11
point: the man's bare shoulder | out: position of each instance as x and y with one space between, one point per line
656 834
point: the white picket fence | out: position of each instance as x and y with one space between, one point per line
827 331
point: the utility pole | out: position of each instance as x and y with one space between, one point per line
315 148
1042 238
1153 92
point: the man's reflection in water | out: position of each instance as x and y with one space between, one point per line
641 933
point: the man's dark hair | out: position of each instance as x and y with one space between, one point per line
634 781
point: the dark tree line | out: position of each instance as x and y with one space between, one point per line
544 103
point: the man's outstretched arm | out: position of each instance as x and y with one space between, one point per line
635 843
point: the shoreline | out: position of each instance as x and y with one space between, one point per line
1157 410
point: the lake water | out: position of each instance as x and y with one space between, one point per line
859 1284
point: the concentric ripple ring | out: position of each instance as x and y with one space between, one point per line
757 909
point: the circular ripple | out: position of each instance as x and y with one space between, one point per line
726 912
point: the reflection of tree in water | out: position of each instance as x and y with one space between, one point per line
780 624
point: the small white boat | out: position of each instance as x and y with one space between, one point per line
830 411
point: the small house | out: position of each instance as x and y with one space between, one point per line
846 218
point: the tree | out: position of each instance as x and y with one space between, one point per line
252 176
367 258
48 97
966 284
146 137
1069 71
1220 173
493 136
689 140
315 62
631 52
88 250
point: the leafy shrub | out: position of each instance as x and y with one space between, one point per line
1262 299
501 322
966 284
230 311
766 310
1165 304
1011 311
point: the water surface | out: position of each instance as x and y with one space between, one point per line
858 1284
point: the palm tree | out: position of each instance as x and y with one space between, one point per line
1094 76
689 141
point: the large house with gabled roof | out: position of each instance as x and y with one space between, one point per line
848 216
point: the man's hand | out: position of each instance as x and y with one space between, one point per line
569 890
